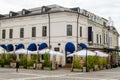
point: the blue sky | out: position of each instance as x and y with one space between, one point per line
103 8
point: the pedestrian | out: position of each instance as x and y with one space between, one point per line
17 65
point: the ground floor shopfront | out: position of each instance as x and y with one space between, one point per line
65 48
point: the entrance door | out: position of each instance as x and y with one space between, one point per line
68 59
69 49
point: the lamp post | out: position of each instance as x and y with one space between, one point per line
86 61
26 58
15 57
38 60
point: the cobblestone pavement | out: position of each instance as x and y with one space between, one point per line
60 74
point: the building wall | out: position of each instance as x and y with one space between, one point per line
58 31
58 23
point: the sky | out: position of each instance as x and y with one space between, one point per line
102 8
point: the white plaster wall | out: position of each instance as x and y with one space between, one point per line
59 21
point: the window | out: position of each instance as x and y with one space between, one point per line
33 31
104 23
97 39
44 9
56 49
23 12
90 34
44 31
3 34
80 31
11 14
21 32
104 38
69 30
100 39
11 33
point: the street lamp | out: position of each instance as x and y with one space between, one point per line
86 61
38 58
26 58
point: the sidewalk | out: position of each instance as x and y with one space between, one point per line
60 74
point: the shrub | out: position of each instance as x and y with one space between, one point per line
23 60
47 62
104 62
11 57
77 62
30 62
1 62
96 60
90 62
100 62
5 59
33 56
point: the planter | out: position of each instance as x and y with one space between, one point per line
30 67
101 67
47 68
21 67
38 65
77 70
96 68
104 68
12 64
54 65
6 66
108 66
84 69
90 70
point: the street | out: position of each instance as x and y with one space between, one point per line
60 74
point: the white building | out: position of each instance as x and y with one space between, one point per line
62 29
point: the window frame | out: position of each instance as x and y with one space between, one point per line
3 34
97 38
33 31
21 32
10 33
80 31
44 31
69 30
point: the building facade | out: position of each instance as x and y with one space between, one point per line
62 29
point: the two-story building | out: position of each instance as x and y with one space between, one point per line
58 28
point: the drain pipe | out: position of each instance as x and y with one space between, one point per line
77 31
49 29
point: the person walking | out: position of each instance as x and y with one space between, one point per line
17 65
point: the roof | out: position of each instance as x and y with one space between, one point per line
39 10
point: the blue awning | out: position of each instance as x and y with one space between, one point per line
83 46
20 46
70 47
42 46
10 47
4 46
32 47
